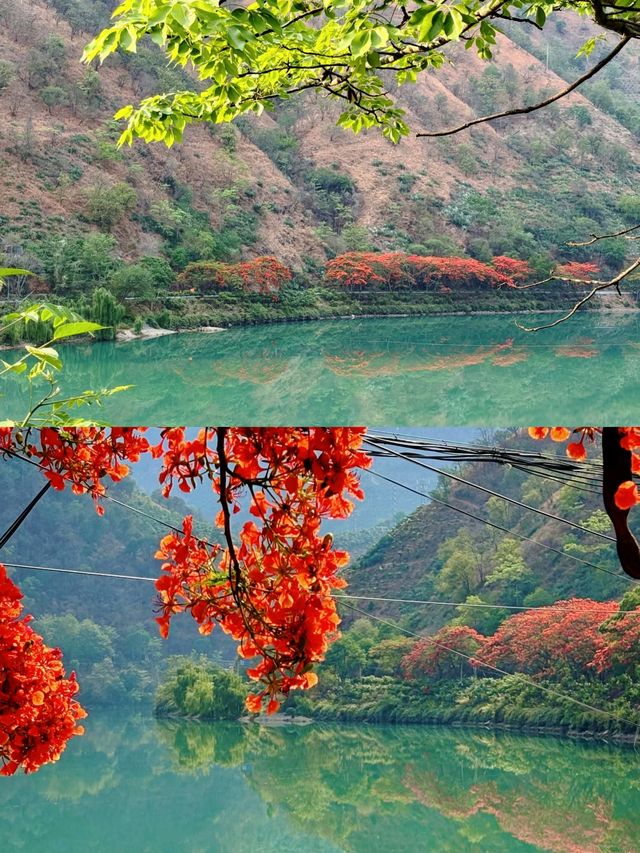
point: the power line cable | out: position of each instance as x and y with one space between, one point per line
340 596
493 493
474 660
504 529
65 571
204 542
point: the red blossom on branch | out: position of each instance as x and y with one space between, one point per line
38 714
271 587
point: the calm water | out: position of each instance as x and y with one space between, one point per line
139 785
437 371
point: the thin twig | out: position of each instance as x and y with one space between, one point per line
599 285
525 110
596 237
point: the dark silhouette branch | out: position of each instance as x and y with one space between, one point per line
525 110
598 285
617 469
596 237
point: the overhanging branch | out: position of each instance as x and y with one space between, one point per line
525 110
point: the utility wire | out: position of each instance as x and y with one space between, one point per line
493 493
482 604
78 572
15 524
460 451
401 485
342 596
474 660
504 529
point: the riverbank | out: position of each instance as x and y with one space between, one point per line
167 315
229 309
578 709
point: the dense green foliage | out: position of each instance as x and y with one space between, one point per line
275 49
196 687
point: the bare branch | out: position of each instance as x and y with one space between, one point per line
525 110
595 237
597 286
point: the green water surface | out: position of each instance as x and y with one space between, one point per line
464 370
142 785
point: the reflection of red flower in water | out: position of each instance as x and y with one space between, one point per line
38 713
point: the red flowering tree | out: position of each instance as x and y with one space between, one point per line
575 269
38 714
271 587
397 271
451 274
264 275
619 650
512 268
549 642
433 659
369 270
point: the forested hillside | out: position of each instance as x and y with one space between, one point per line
82 213
437 553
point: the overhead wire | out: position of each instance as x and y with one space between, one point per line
340 596
499 527
520 676
494 493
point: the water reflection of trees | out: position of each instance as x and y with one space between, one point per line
351 788
348 784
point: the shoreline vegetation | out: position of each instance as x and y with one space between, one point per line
280 719
212 294
209 315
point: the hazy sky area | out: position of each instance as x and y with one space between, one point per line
382 501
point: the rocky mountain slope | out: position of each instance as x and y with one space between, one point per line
291 183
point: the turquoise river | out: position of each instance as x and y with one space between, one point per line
137 784
462 370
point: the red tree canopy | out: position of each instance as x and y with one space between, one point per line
38 713
575 269
264 275
548 641
432 657
396 270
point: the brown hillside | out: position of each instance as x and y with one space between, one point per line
53 157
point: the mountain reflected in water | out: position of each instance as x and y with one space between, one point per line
140 784
463 370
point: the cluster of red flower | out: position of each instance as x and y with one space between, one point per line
38 713
396 270
572 636
264 275
272 591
